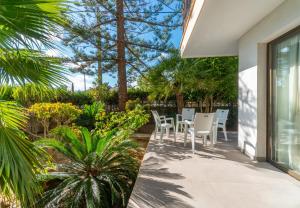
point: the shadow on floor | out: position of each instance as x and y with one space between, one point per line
151 191
226 150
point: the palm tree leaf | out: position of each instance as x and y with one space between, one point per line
30 66
57 145
71 141
29 23
18 156
87 139
12 115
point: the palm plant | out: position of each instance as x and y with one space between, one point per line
26 27
169 77
101 171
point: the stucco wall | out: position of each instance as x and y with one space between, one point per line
252 75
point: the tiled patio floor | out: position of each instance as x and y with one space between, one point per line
219 177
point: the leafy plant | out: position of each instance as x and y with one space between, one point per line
61 113
101 173
27 25
130 120
89 115
100 93
169 78
18 156
31 93
76 98
210 80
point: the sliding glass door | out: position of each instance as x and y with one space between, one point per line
284 105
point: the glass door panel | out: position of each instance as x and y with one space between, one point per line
285 88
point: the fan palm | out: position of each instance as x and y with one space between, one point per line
25 28
101 172
168 78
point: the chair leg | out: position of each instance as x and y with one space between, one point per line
155 131
212 139
174 137
193 142
205 140
225 133
168 132
177 125
185 135
161 134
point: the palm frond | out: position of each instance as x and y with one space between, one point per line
103 177
18 156
24 66
12 115
29 23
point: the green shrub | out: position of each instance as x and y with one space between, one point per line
130 120
100 93
60 113
29 94
76 98
6 93
89 114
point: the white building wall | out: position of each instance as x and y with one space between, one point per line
253 73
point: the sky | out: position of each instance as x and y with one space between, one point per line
78 79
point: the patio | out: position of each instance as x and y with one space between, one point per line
218 177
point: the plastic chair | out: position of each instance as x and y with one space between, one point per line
162 124
203 127
222 115
188 114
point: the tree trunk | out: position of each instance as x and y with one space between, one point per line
211 104
99 70
179 101
122 81
207 104
99 53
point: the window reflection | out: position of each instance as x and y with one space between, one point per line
286 103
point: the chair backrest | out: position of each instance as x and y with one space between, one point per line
188 114
156 117
204 121
222 115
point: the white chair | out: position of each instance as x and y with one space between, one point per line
222 116
188 114
162 124
203 126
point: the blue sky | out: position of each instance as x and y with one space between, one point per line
78 78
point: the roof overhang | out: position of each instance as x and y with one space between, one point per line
215 26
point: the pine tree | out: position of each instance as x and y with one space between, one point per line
131 34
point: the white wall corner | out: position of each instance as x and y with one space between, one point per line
248 111
262 61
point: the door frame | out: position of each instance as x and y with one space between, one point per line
269 70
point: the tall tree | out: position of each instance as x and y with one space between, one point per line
91 52
121 54
134 33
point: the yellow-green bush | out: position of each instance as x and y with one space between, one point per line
60 113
